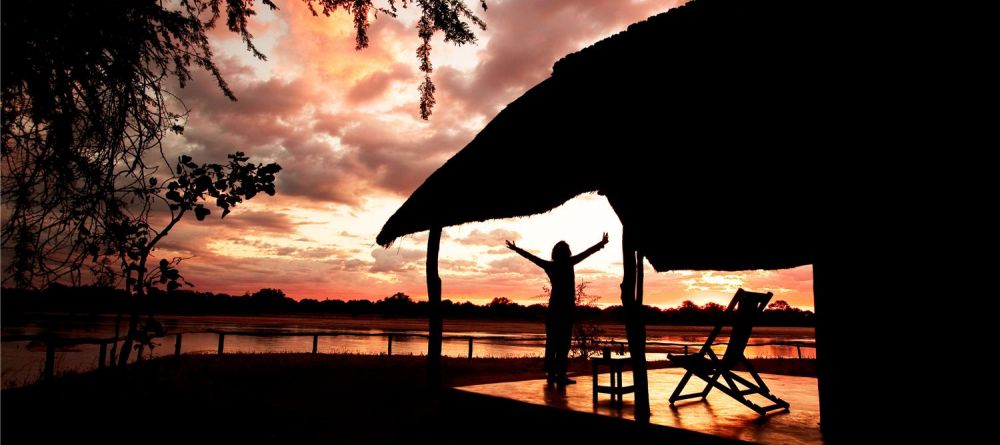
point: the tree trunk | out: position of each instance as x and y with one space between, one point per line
635 329
140 290
133 326
436 327
133 320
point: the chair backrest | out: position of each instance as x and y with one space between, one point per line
741 314
748 307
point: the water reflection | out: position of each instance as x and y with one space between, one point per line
22 364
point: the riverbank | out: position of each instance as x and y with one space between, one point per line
303 398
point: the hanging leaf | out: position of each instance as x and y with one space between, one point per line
201 212
202 183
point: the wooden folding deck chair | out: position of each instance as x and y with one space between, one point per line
741 315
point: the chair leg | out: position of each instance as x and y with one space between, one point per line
778 402
680 387
729 381
740 395
731 389
736 394
709 384
753 373
760 388
618 387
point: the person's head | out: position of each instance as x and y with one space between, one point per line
560 251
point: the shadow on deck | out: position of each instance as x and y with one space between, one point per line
718 417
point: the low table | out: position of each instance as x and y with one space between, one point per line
615 365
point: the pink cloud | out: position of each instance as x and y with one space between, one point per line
492 238
375 85
459 265
396 260
321 86
526 38
512 264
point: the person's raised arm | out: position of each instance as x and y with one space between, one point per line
538 261
593 249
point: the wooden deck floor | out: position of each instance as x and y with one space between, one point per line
718 415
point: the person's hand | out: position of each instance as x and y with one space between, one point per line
511 245
605 239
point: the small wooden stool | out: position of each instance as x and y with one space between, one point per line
615 364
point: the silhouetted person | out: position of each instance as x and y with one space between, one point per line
559 321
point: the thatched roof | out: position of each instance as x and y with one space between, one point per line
701 125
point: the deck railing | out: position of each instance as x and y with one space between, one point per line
105 359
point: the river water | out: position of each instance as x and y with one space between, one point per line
23 362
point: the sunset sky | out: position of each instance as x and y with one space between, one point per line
345 126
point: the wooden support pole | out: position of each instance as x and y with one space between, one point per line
102 356
470 347
177 346
50 359
635 328
222 342
639 272
799 347
436 328
315 343
390 345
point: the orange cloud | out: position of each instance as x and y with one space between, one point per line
495 237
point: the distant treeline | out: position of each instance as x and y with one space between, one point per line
96 300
